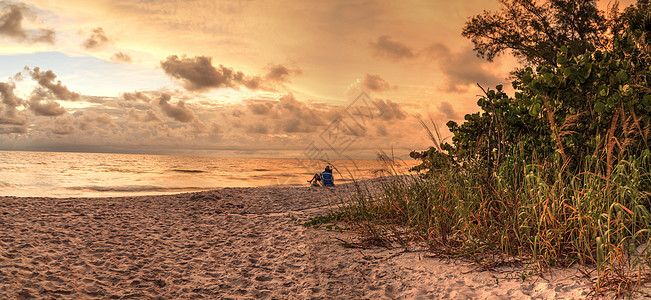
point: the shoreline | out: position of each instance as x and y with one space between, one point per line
230 243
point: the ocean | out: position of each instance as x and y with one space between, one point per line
62 174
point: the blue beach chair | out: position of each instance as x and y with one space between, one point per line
327 178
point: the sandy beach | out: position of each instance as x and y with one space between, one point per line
232 243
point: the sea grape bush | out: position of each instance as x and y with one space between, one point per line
596 104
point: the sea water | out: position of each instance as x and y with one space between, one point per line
61 174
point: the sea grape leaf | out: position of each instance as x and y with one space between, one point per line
622 76
600 107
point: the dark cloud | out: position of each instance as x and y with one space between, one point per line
448 111
390 110
280 73
462 69
46 80
121 57
9 99
177 112
198 74
12 129
11 119
48 108
375 83
96 40
260 108
136 96
11 25
385 47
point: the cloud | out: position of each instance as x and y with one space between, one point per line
259 128
89 120
143 117
11 25
198 73
47 108
280 73
63 125
96 40
287 115
11 119
260 108
177 112
385 47
12 129
46 80
375 83
390 110
121 57
448 111
462 69
9 99
135 96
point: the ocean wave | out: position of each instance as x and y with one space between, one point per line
6 184
188 171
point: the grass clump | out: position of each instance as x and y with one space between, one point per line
328 220
588 218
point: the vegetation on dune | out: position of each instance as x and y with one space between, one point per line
557 174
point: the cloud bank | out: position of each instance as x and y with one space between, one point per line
199 74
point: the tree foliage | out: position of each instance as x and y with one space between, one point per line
592 105
534 32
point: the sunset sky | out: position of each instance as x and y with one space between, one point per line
258 78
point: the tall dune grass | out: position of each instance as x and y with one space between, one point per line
540 213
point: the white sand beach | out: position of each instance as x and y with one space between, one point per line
233 243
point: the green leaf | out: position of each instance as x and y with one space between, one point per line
604 91
647 100
600 107
560 59
563 49
535 110
622 76
588 70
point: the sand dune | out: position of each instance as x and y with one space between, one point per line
234 243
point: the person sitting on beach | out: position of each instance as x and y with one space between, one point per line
327 178
315 179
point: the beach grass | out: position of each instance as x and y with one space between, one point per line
541 214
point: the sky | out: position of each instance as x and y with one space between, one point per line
286 78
